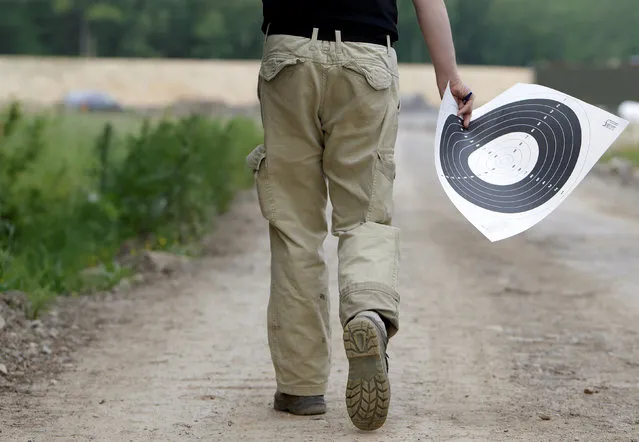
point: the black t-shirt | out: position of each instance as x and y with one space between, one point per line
372 18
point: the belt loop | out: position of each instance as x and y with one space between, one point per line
338 40
388 43
266 33
314 38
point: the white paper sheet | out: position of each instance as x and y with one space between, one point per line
522 155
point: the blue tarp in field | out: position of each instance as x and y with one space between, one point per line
90 100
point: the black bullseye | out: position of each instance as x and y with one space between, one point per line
548 125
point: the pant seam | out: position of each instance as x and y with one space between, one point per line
396 260
323 82
370 287
307 390
372 188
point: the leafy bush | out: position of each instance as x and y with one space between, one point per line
70 202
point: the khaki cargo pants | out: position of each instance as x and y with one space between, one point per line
330 115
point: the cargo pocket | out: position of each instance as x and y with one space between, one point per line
381 202
256 162
378 76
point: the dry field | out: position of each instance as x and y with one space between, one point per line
143 82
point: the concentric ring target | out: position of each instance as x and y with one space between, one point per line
514 158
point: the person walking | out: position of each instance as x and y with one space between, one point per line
328 88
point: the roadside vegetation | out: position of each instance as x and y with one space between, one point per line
626 147
82 191
628 152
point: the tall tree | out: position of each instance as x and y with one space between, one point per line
504 32
88 14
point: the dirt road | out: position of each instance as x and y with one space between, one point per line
534 338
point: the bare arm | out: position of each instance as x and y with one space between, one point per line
433 20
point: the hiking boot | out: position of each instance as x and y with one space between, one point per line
368 388
299 405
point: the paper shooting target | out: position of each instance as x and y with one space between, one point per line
521 155
513 159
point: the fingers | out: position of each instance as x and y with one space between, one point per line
467 119
461 92
466 111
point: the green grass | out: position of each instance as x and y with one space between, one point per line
77 186
626 146
630 153
627 151
69 151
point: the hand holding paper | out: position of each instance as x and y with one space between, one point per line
464 98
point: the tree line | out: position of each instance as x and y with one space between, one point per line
496 32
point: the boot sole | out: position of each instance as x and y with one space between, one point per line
367 388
